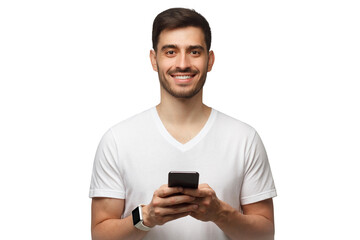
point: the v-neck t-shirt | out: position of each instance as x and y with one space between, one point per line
135 156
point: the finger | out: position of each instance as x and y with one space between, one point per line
203 185
183 208
165 191
198 201
197 192
176 200
161 213
172 201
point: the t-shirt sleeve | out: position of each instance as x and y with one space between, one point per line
106 180
258 183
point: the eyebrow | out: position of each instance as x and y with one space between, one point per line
191 47
168 46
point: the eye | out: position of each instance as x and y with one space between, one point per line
195 52
170 52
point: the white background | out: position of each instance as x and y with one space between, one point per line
71 69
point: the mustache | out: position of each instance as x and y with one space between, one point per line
185 70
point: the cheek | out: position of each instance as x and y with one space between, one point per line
201 64
164 66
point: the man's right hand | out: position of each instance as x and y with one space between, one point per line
165 206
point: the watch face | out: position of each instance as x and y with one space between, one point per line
136 215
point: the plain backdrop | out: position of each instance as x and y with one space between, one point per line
71 69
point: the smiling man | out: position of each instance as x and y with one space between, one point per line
182 61
131 199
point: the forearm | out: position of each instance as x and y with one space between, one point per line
116 229
238 226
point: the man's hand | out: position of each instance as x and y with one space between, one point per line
165 206
209 205
257 222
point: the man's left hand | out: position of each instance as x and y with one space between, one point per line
210 206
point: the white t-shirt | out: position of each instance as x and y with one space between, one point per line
135 156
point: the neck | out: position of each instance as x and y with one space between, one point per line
181 111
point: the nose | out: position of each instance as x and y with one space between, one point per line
183 61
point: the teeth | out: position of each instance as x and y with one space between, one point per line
183 77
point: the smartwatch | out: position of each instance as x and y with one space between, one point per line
138 219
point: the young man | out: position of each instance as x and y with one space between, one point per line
181 133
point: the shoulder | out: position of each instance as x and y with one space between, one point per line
231 124
133 123
129 128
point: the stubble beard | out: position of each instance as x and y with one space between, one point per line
186 94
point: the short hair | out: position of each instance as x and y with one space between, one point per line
178 18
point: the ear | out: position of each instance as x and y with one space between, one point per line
211 60
153 60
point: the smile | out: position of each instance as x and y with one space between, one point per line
182 77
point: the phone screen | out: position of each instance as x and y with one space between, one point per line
185 179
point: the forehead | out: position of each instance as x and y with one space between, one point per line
182 37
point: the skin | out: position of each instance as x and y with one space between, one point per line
178 51
181 56
182 62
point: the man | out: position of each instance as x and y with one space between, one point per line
181 133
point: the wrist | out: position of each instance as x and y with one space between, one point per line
138 219
146 216
225 214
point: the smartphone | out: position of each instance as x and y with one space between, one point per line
185 179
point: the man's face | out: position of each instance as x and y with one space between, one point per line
182 61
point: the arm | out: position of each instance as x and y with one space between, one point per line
257 222
106 223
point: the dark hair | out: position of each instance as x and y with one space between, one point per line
178 18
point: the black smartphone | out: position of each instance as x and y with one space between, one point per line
185 179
